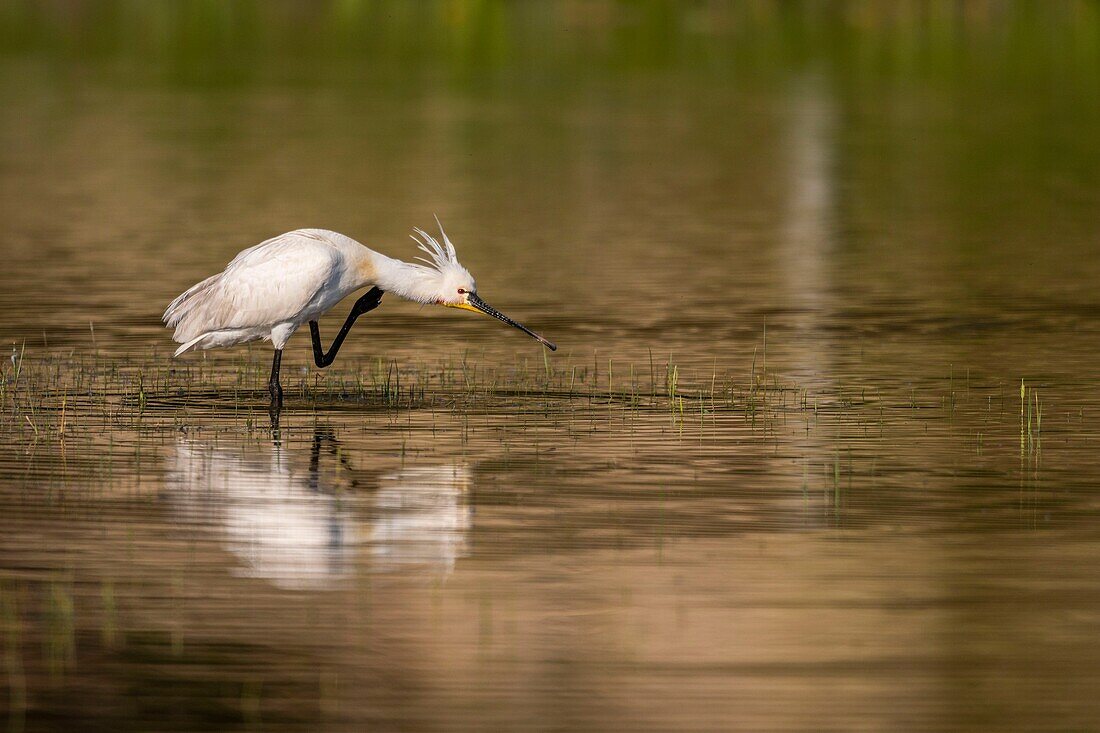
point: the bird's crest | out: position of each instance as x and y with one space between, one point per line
443 256
436 278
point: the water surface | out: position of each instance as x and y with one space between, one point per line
780 474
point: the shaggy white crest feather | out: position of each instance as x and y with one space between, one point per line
438 278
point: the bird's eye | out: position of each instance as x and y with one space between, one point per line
461 291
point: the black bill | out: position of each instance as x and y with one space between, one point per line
489 310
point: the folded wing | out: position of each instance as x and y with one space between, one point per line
271 283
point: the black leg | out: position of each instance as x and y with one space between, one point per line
365 304
273 386
276 436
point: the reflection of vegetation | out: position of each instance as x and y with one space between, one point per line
1033 40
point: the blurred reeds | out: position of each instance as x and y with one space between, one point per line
222 41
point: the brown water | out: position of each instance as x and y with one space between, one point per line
847 262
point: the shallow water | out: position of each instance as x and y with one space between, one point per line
779 475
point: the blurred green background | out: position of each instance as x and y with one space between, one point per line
1053 45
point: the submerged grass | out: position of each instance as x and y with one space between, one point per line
46 398
59 384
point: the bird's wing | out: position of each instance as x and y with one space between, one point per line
264 285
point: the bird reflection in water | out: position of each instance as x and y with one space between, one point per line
307 526
421 517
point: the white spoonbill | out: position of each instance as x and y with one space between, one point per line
269 290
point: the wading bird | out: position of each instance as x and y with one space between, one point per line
269 290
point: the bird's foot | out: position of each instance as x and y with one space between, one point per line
368 301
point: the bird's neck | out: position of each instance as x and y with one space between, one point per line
403 279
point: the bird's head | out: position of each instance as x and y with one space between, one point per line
451 285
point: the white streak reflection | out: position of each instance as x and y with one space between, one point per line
808 233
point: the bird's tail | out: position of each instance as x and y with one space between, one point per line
189 345
179 307
182 311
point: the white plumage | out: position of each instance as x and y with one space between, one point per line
268 291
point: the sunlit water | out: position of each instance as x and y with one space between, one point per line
847 515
